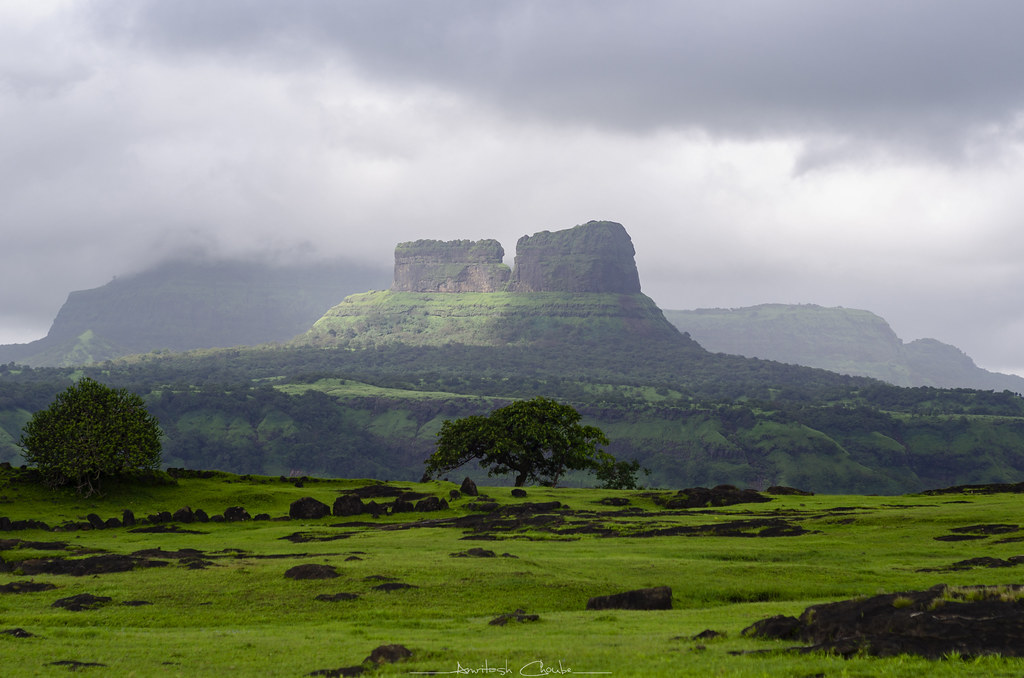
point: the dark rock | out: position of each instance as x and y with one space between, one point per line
136 603
83 601
594 257
236 513
348 505
708 634
183 515
401 506
453 495
783 490
519 492
311 571
450 266
217 518
431 504
112 523
517 616
657 598
393 586
26 587
468 487
351 558
474 553
486 506
969 621
128 518
18 633
200 516
702 497
994 528
335 597
74 665
342 672
81 567
261 516
614 501
388 654
308 508
96 522
167 529
165 517
780 626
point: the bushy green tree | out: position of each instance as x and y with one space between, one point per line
88 432
538 440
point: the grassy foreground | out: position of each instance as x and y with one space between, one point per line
232 612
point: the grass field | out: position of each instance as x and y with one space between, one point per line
230 611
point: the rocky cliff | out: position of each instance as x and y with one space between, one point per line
594 257
450 266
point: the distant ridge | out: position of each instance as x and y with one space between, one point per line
843 340
183 305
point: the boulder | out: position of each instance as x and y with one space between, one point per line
431 504
657 598
311 571
184 515
469 488
308 508
519 492
348 505
83 601
388 654
236 513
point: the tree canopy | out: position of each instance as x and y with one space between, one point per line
88 432
538 440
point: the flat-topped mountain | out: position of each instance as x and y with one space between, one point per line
575 286
843 340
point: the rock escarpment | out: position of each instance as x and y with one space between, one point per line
594 257
450 266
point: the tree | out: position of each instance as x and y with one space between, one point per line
538 440
90 431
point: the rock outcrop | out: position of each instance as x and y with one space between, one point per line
594 257
450 266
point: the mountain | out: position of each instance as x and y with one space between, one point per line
182 305
843 340
573 287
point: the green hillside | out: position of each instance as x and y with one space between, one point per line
844 340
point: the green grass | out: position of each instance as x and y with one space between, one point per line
242 617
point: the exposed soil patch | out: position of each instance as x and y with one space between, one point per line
165 529
657 598
26 587
73 665
959 537
83 601
18 633
136 603
80 567
378 491
701 497
303 537
9 544
336 597
971 621
312 571
983 561
387 587
996 528
753 527
517 616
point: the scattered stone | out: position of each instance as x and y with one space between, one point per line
166 529
517 616
95 521
657 598
128 518
708 634
753 527
431 504
518 492
338 673
26 587
184 515
783 490
335 597
262 516
402 506
995 528
351 558
348 505
83 601
308 508
388 654
468 487
702 497
312 571
390 586
112 523
136 603
236 513
485 506
8 544
18 633
201 516
453 495
778 626
990 488
614 501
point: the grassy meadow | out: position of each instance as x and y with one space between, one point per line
232 612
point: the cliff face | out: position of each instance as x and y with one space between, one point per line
594 257
450 266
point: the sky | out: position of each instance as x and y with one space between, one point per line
865 153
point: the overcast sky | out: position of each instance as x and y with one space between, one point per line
865 154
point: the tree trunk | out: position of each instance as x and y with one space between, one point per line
520 480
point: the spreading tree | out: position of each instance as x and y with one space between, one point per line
88 432
538 440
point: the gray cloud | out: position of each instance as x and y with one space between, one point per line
865 154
